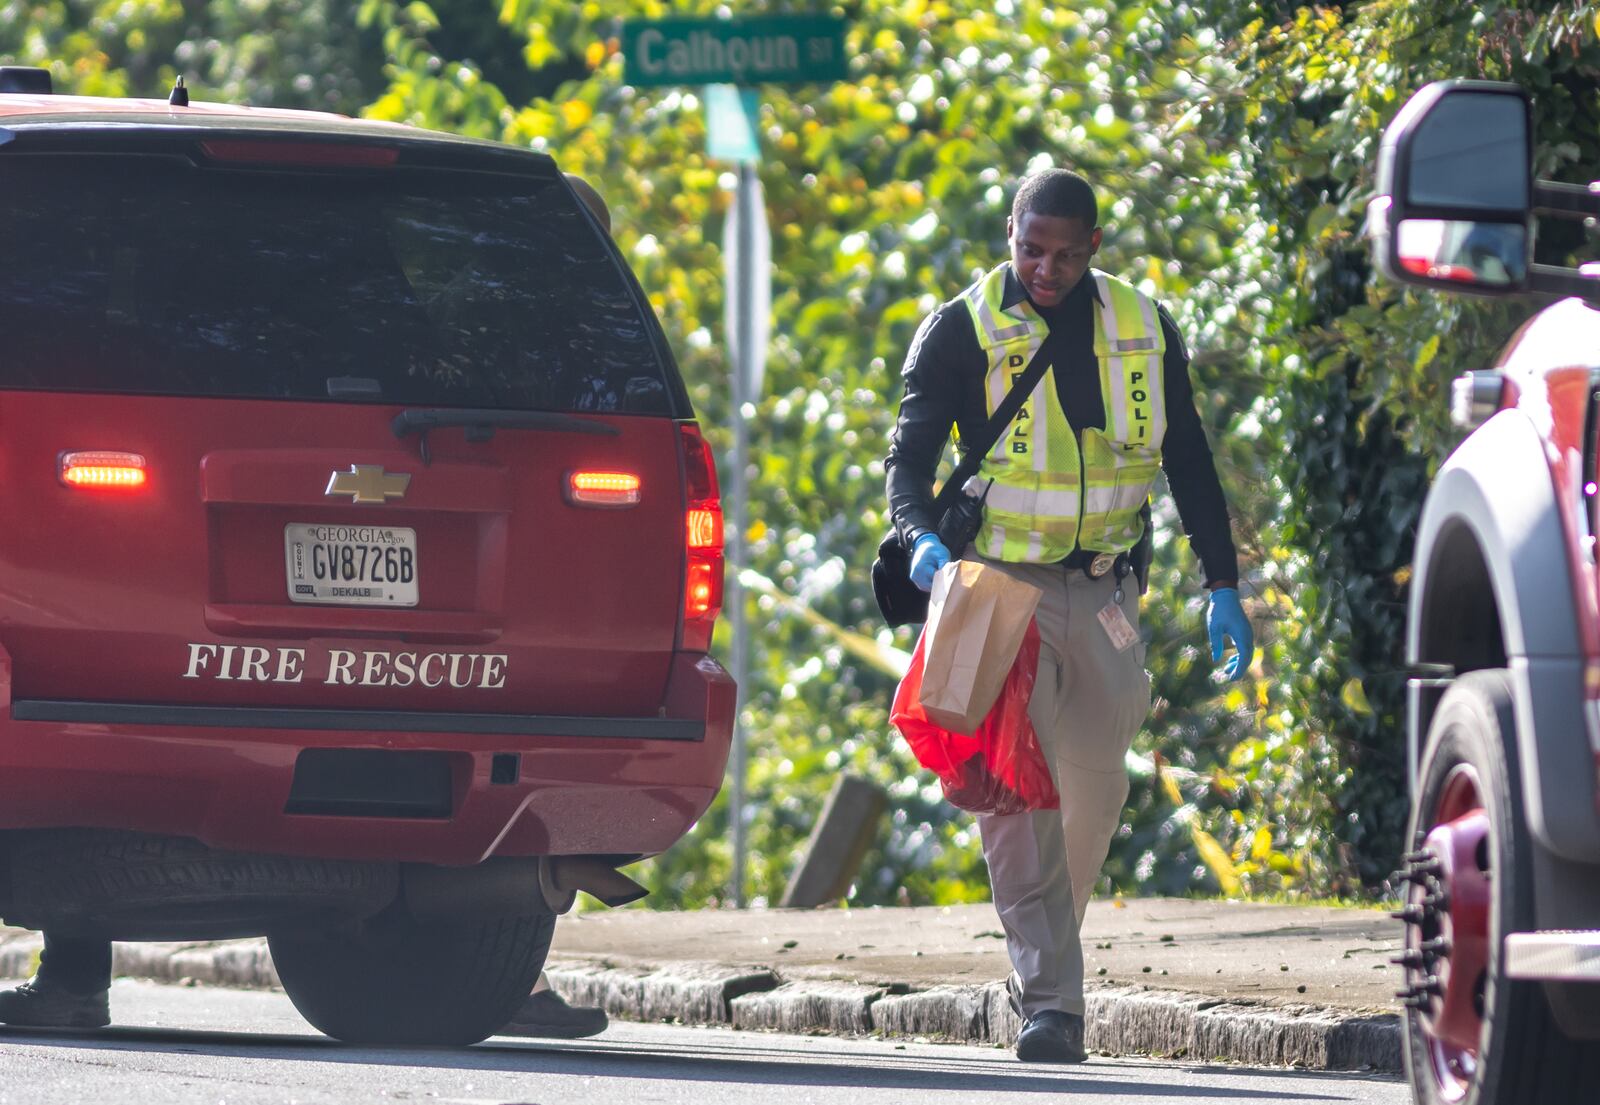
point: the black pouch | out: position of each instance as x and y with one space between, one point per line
900 601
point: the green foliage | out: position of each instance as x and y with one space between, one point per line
303 53
1355 368
1232 145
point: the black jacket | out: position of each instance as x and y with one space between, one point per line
944 386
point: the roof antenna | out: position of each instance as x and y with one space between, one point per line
180 94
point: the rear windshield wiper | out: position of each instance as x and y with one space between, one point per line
481 424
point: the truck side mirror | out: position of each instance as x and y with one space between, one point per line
1454 193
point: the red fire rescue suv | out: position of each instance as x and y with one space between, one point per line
1502 912
359 552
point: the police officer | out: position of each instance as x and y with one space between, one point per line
1065 489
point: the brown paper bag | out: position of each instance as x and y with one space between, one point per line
977 615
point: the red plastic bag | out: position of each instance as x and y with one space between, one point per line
1000 768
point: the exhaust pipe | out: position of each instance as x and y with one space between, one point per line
561 877
511 886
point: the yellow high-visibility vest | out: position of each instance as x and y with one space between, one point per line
1049 495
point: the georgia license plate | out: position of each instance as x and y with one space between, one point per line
351 565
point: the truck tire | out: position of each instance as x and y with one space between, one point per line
396 980
1473 1037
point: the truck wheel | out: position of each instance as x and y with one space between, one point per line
396 980
1471 1036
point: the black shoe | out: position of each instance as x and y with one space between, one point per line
1052 1037
546 1014
37 1004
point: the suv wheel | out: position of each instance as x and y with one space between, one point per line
397 980
1471 1036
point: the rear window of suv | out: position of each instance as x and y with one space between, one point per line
427 287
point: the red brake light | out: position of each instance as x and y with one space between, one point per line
705 528
101 469
249 152
603 488
703 593
703 541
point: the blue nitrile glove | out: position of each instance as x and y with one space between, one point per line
1226 618
928 555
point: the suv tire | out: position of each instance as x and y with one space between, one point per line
1470 794
397 980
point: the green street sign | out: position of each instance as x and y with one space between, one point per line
762 50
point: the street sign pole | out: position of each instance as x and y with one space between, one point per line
747 242
729 55
743 281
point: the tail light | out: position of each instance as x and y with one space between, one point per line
602 488
100 469
703 545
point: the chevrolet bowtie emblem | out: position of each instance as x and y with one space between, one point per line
368 483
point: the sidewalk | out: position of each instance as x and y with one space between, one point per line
1201 980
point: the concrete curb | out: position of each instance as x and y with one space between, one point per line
240 964
802 1008
1117 1021
245 964
1193 1027
963 1013
691 993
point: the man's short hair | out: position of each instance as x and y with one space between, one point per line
1058 192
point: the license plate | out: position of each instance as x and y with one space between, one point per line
351 565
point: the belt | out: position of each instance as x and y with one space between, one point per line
1096 564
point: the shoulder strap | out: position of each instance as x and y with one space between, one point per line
972 456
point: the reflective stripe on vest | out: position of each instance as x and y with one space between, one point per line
1055 491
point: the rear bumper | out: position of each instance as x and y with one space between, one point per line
582 785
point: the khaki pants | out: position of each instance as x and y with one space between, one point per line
1088 702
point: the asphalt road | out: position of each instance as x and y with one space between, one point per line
182 1045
